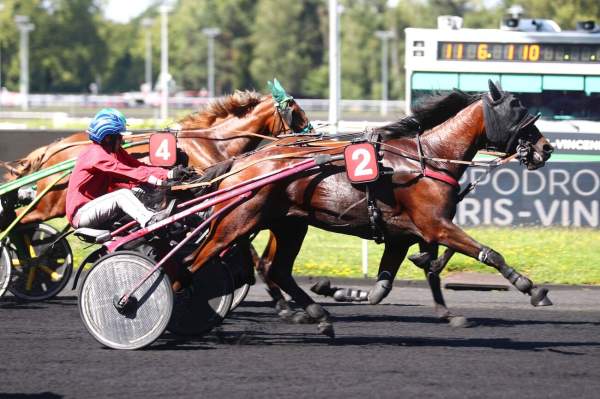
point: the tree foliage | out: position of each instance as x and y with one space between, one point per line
74 45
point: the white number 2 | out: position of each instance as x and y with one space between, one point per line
365 156
163 150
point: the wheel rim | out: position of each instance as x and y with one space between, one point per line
5 269
36 277
239 295
112 276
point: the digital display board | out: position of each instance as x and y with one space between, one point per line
523 52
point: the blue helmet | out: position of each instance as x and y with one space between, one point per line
106 122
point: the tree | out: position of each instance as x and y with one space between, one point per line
287 43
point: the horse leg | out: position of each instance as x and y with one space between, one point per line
450 235
263 267
393 255
429 253
289 235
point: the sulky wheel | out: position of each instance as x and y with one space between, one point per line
5 269
240 262
143 319
41 267
204 303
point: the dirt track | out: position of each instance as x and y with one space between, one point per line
392 350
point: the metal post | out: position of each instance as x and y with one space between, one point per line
25 27
334 65
147 24
164 62
385 36
365 258
211 33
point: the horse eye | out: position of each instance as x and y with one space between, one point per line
515 102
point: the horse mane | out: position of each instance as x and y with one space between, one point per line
238 104
430 112
29 164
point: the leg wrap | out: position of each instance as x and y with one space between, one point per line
316 311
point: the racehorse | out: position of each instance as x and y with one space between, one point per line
227 127
417 196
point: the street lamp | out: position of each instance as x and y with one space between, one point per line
334 64
384 36
147 24
211 33
25 27
164 61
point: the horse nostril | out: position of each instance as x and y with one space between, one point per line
548 149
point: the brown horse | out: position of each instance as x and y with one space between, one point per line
227 127
415 208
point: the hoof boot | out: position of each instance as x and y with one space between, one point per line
326 328
381 289
539 297
460 322
323 287
421 259
302 318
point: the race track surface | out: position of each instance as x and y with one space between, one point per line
397 349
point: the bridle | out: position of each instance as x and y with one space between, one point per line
286 116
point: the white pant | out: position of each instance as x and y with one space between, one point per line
110 207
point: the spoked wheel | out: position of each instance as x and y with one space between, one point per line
40 270
204 303
240 261
143 319
5 269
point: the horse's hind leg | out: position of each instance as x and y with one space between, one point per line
262 268
289 234
453 237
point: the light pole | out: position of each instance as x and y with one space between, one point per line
147 24
385 36
164 61
334 65
25 27
211 33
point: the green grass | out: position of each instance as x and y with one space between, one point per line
547 255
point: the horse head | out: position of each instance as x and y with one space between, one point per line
292 116
509 127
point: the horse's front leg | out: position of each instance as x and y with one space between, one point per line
393 255
263 267
427 259
290 234
450 235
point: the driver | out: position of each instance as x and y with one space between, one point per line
100 187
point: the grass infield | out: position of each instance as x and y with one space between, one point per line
547 255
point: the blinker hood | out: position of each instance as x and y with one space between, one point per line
505 118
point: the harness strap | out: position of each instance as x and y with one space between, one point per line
428 172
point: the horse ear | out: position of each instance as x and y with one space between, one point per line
495 92
277 91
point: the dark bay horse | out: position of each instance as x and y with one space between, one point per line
415 208
227 127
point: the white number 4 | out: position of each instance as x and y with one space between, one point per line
163 150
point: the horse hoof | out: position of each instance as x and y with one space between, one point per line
539 297
326 328
381 290
281 305
460 322
420 259
286 314
302 318
323 287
